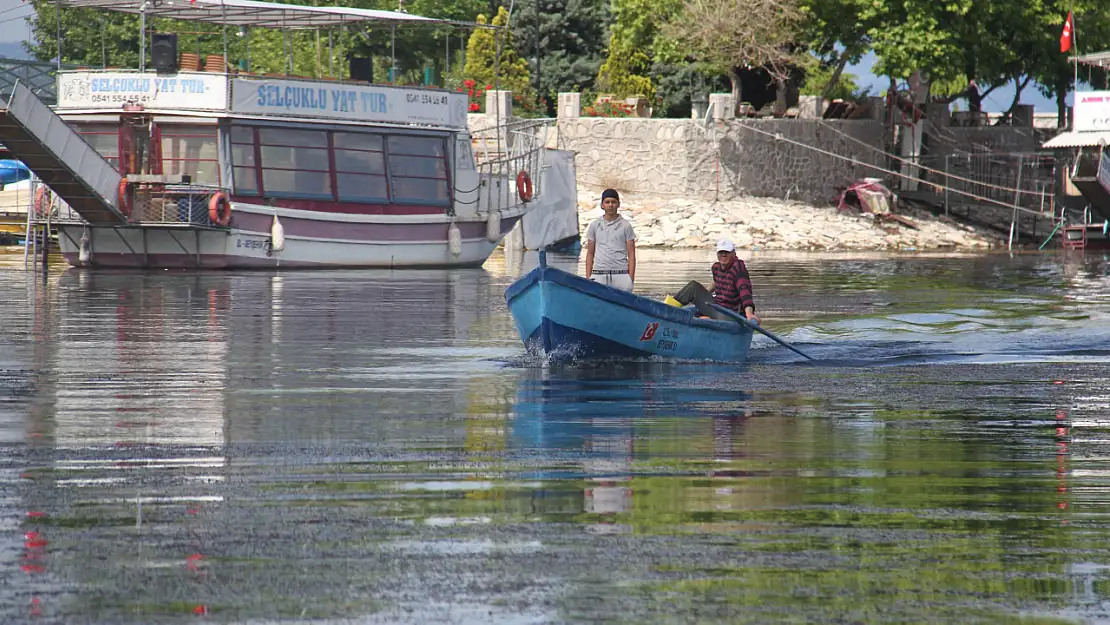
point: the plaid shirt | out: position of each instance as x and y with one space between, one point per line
732 288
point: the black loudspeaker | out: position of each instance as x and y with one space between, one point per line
163 51
362 69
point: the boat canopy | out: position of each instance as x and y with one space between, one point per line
253 13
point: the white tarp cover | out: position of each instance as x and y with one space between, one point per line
555 216
1078 139
249 12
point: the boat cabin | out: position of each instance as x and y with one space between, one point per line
321 143
298 143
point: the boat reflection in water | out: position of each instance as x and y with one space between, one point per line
163 399
617 425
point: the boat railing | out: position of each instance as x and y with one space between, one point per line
503 153
172 205
150 204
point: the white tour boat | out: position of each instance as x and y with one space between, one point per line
179 168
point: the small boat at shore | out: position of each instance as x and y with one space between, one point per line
567 317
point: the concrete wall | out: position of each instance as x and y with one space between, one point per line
727 159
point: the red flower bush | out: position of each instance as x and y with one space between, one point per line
609 109
530 106
475 95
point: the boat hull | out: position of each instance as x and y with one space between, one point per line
566 317
310 242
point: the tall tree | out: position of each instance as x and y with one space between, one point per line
483 65
733 35
563 41
637 50
836 33
1053 70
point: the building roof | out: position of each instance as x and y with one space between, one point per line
252 12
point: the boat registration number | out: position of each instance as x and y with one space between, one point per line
253 244
666 338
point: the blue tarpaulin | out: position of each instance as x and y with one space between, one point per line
13 171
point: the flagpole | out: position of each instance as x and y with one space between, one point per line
1070 28
1075 52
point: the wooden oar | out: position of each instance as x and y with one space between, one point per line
755 326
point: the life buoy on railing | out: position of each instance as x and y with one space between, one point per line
125 200
219 209
41 201
524 186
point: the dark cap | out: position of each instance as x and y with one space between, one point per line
610 193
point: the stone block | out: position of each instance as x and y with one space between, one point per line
570 105
810 107
639 106
500 104
877 107
1023 116
723 105
938 114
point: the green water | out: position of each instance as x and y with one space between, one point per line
375 447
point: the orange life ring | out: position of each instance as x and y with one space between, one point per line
524 186
40 200
125 200
218 216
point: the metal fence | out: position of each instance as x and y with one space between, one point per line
39 76
1027 180
150 204
181 205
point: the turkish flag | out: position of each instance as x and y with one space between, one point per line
1068 36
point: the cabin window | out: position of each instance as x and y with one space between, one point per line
191 150
243 163
295 163
360 167
104 138
418 169
344 166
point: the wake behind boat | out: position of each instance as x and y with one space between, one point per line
568 317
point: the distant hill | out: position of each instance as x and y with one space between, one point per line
13 50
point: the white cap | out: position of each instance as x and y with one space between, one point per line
724 245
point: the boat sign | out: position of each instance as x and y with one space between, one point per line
371 103
1092 111
112 90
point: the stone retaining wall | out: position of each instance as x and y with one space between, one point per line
725 159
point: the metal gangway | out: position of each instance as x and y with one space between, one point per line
60 157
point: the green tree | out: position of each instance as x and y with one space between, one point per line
625 70
482 65
731 35
830 82
993 42
638 54
835 33
564 42
1053 70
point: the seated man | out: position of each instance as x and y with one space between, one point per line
732 288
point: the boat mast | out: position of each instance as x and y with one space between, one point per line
142 37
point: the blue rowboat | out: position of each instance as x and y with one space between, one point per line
567 317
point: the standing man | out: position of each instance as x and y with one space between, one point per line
611 246
732 288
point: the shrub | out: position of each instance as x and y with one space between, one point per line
609 109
